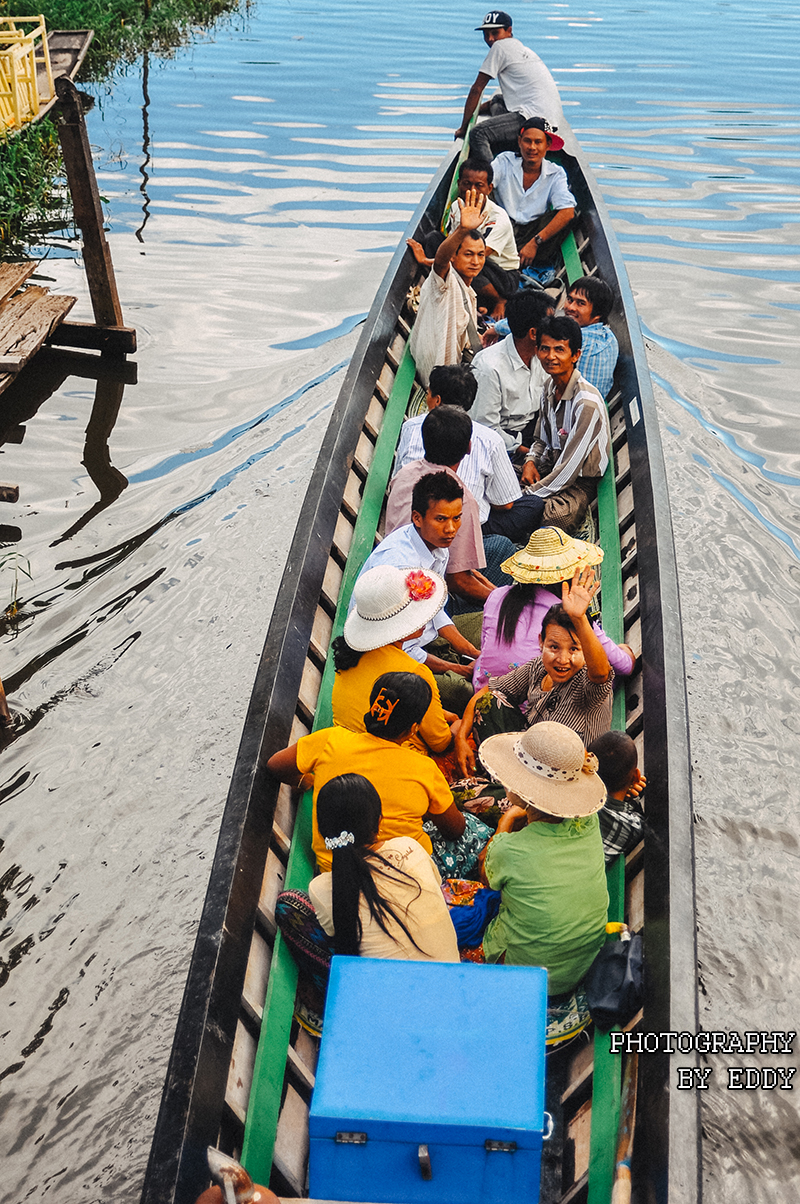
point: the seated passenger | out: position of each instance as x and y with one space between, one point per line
391 605
424 543
551 873
411 787
622 818
589 302
382 898
512 615
485 470
535 193
446 435
502 257
571 682
509 375
572 439
446 321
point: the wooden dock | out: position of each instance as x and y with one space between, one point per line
28 316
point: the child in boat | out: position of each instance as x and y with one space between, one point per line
391 606
622 818
571 682
546 858
513 614
382 898
411 787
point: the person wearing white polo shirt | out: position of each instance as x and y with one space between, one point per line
534 192
527 89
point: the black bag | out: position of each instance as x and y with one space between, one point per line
615 983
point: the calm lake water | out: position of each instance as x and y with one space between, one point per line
257 184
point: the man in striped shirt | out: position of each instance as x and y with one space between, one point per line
571 442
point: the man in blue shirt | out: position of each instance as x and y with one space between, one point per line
589 302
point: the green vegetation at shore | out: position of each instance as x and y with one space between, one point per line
30 200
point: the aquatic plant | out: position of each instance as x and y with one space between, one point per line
31 202
13 560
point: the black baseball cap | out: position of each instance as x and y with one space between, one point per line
496 19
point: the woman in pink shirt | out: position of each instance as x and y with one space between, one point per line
513 614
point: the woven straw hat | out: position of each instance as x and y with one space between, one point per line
548 767
390 603
551 555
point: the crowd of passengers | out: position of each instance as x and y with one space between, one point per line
470 792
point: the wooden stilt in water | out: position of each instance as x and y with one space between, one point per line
111 335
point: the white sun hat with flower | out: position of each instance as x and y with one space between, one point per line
390 604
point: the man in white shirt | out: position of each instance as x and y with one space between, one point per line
447 317
486 469
527 89
499 278
436 506
509 375
535 193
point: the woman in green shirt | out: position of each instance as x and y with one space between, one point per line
551 871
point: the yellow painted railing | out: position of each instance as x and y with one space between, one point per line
23 51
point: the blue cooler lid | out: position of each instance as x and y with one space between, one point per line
454 1047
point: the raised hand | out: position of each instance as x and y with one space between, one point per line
471 209
576 596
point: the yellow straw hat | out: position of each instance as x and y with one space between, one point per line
551 555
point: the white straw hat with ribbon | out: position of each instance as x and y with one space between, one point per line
548 768
390 604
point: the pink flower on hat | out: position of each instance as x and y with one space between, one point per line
419 586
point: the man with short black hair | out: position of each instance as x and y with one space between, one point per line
446 434
589 303
509 375
527 89
571 443
486 470
447 316
436 507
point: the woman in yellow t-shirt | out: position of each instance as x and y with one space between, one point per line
411 787
391 607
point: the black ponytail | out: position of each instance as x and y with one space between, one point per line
348 817
344 657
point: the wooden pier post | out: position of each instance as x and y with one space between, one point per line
111 335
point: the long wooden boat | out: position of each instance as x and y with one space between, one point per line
242 1069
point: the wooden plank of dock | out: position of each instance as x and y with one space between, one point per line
13 276
26 320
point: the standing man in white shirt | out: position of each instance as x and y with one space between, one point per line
527 89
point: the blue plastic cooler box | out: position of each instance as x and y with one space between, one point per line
430 1084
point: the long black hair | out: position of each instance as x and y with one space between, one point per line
349 815
520 595
396 702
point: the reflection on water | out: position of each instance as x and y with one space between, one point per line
274 168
